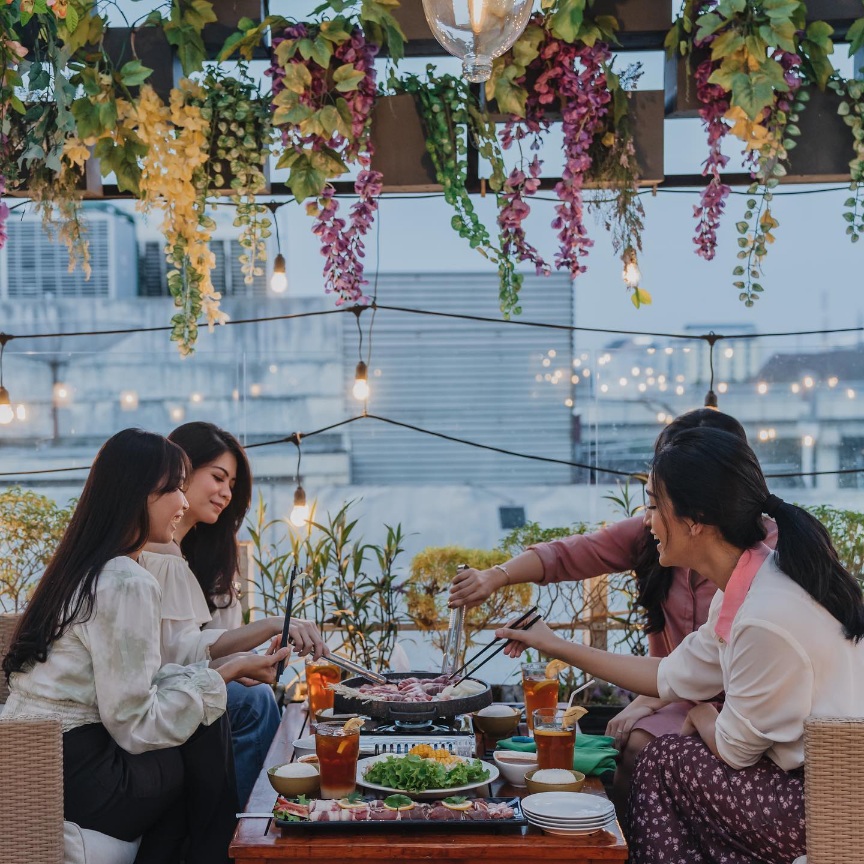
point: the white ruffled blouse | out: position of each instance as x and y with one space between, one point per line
189 629
109 669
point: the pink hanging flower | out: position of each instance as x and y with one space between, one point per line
341 243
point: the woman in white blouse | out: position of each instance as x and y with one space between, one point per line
146 749
201 616
783 639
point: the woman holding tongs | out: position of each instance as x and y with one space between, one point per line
783 639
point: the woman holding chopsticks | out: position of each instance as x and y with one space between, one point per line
676 600
201 615
146 745
783 639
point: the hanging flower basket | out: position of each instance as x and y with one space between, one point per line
646 119
412 19
147 44
636 16
838 13
679 85
229 14
399 146
823 150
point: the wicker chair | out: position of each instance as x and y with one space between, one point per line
31 794
8 623
833 791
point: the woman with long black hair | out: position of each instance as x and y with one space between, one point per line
146 748
782 639
197 569
675 600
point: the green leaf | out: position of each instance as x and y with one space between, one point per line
134 73
305 181
347 78
855 37
752 93
297 78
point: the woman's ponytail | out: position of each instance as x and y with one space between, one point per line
805 554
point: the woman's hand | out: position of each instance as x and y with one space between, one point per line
258 667
620 726
304 635
471 587
540 636
701 720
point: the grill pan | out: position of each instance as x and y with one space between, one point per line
410 712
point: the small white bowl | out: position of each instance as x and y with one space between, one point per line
304 746
517 766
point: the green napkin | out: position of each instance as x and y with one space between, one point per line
593 755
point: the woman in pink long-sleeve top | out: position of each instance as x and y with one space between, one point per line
675 599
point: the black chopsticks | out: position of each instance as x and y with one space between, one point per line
517 624
281 667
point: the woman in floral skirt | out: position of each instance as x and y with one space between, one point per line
783 639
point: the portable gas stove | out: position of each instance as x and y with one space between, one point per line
401 735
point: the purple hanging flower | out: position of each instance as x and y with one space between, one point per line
341 242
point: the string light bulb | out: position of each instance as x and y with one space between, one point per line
300 514
279 279
477 31
631 274
361 382
7 414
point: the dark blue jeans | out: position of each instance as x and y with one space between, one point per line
254 717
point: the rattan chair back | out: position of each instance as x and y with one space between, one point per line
31 792
8 623
834 791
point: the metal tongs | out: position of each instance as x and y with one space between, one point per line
523 622
356 668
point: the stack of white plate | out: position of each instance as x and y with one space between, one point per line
568 813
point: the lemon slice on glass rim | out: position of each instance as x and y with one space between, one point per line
573 714
355 724
555 667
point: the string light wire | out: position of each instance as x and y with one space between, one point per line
296 437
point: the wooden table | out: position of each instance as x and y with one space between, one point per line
255 842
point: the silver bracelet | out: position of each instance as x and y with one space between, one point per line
503 569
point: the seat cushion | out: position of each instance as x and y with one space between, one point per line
83 846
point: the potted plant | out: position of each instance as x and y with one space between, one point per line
31 526
432 571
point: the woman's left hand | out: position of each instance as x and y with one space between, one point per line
701 720
540 636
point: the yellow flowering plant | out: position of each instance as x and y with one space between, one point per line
174 180
432 571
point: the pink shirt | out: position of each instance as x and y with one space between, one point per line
614 549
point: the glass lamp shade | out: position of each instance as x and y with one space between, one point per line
477 31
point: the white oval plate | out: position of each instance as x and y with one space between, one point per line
566 805
364 764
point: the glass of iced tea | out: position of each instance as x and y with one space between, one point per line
555 739
337 752
541 691
319 674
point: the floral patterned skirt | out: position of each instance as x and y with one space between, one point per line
689 807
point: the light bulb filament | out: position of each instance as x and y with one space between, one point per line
476 15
